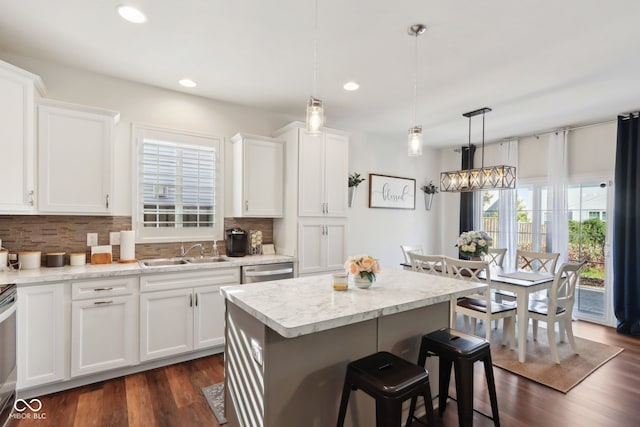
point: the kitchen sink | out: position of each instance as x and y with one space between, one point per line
205 260
162 262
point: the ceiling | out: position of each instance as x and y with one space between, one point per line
540 64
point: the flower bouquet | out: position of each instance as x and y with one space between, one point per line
363 266
474 243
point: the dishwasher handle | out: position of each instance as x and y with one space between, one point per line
255 273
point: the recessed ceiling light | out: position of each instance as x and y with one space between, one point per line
187 83
351 86
131 14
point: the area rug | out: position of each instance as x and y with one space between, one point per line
215 396
539 365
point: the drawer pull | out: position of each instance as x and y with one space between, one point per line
103 289
103 302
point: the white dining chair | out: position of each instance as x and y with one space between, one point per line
495 256
531 261
480 306
430 264
558 307
407 248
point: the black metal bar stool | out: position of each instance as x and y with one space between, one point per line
390 380
462 351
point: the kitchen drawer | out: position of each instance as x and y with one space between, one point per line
189 279
98 288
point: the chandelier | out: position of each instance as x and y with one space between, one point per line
484 178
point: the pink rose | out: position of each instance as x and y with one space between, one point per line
353 269
376 267
367 263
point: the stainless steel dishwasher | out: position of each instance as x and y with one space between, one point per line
266 272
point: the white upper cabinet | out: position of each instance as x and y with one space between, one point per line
257 184
323 174
17 141
75 154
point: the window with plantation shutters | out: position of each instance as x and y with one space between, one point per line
176 185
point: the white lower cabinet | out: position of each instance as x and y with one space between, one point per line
187 317
104 325
43 334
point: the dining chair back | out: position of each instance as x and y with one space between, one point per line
480 305
407 248
559 307
537 261
495 256
430 264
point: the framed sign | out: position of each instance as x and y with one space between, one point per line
391 192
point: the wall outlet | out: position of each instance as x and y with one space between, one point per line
256 351
114 238
92 239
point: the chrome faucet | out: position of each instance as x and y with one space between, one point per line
184 253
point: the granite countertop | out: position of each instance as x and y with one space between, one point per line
305 305
95 271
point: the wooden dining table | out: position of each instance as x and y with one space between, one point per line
522 283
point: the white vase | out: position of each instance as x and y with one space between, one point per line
428 201
352 195
359 282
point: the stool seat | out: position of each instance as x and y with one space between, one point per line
460 351
456 343
390 380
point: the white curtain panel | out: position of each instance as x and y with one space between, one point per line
507 215
557 195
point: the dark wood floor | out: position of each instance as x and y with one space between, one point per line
171 396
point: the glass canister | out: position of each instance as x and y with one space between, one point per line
340 282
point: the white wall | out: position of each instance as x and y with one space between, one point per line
380 232
591 152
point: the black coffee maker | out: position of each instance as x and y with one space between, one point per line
236 242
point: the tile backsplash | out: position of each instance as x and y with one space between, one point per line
68 233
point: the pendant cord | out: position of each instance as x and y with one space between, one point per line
415 82
315 52
483 139
469 149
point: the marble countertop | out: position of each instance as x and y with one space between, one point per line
95 271
305 305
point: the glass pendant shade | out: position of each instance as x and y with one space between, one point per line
315 116
414 142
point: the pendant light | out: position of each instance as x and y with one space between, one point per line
315 110
484 178
414 141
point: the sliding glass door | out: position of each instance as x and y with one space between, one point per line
588 204
588 241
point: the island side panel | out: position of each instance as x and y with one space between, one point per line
244 375
304 376
401 334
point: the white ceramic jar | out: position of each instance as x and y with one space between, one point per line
29 260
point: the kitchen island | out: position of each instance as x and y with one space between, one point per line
288 342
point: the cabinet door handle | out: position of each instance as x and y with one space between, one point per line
326 227
107 201
191 300
32 197
102 289
196 299
327 205
246 205
103 302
